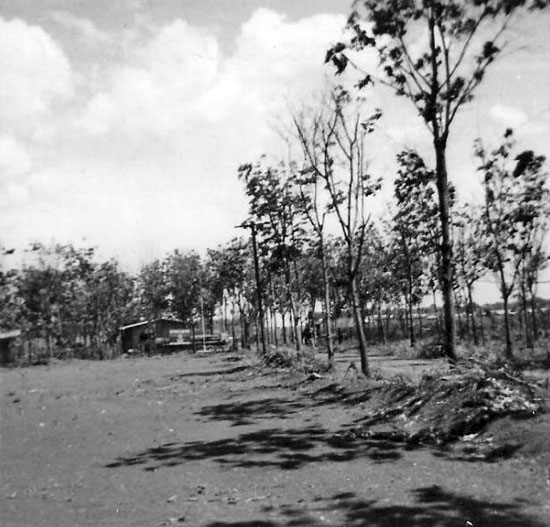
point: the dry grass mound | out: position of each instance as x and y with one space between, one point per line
446 408
289 359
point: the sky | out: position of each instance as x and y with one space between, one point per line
123 123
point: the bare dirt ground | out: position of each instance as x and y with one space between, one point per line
210 442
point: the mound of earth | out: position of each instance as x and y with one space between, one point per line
459 406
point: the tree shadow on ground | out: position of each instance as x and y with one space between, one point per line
352 395
209 373
431 507
285 449
337 393
247 412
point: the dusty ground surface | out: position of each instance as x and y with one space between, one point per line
209 442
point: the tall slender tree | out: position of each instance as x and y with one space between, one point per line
315 201
335 149
278 220
470 249
516 205
416 233
435 53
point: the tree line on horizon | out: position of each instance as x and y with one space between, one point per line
428 245
391 264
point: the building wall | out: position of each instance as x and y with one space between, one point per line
137 338
142 338
163 327
7 351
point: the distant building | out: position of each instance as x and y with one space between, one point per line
8 341
149 335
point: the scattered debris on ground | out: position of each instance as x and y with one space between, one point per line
459 406
460 410
298 362
237 442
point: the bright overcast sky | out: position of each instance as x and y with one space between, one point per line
122 123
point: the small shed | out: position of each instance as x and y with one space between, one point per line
8 350
146 336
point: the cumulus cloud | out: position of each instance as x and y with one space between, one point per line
275 61
35 76
14 159
84 28
273 53
14 193
147 151
154 91
176 113
34 72
179 79
508 115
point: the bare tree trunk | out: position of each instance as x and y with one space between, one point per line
258 289
405 321
224 310
274 328
410 317
326 291
233 340
257 332
410 322
409 294
359 326
49 345
436 314
273 314
505 293
298 333
419 318
507 331
243 342
268 332
458 315
245 325
381 329
368 329
293 310
246 333
472 315
446 271
525 316
534 324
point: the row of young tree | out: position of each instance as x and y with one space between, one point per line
376 265
63 297
435 53
374 270
67 301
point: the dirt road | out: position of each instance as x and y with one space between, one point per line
209 442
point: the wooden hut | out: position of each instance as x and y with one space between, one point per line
148 336
8 343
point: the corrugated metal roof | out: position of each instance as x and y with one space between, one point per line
135 325
145 322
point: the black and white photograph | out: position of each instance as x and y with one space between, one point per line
275 263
